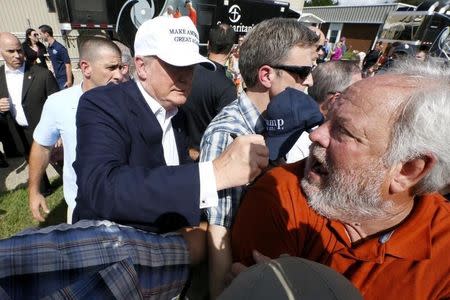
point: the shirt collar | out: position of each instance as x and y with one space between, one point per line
410 240
155 107
250 113
19 70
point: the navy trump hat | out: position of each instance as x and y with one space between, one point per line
288 115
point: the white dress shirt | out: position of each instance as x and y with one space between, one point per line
208 190
14 82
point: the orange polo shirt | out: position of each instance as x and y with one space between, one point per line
412 263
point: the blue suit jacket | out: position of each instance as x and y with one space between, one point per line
121 171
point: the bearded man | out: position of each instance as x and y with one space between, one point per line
363 202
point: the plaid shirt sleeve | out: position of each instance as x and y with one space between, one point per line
213 143
92 260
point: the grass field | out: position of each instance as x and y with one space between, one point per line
15 215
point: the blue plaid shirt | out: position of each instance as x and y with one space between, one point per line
239 117
92 260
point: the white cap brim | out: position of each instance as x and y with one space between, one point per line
180 61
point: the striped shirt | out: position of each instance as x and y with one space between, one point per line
240 117
92 260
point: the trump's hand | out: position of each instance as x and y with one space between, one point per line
241 162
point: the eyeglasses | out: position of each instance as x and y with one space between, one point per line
302 72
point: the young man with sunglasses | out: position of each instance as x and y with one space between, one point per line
276 54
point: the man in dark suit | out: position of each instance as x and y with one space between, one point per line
23 90
132 162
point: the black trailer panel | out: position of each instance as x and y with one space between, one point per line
243 15
123 17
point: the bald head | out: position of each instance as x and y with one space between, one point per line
388 88
394 91
7 37
416 98
11 50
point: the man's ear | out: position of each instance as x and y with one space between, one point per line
85 68
408 174
326 105
141 71
265 76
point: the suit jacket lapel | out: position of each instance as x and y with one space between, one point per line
3 87
150 128
28 78
146 121
178 125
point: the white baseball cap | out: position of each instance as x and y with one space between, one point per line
173 40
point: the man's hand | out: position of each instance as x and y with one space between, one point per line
36 202
4 105
38 162
68 84
241 162
238 268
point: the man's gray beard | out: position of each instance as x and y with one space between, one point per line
350 196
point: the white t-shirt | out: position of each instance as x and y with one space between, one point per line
58 119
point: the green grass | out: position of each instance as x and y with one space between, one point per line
15 215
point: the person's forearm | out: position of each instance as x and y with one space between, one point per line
219 258
196 242
38 162
69 74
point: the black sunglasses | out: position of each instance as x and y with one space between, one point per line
301 72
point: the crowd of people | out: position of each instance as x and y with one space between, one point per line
176 13
378 59
174 166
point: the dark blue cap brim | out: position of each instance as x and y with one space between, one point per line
280 145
